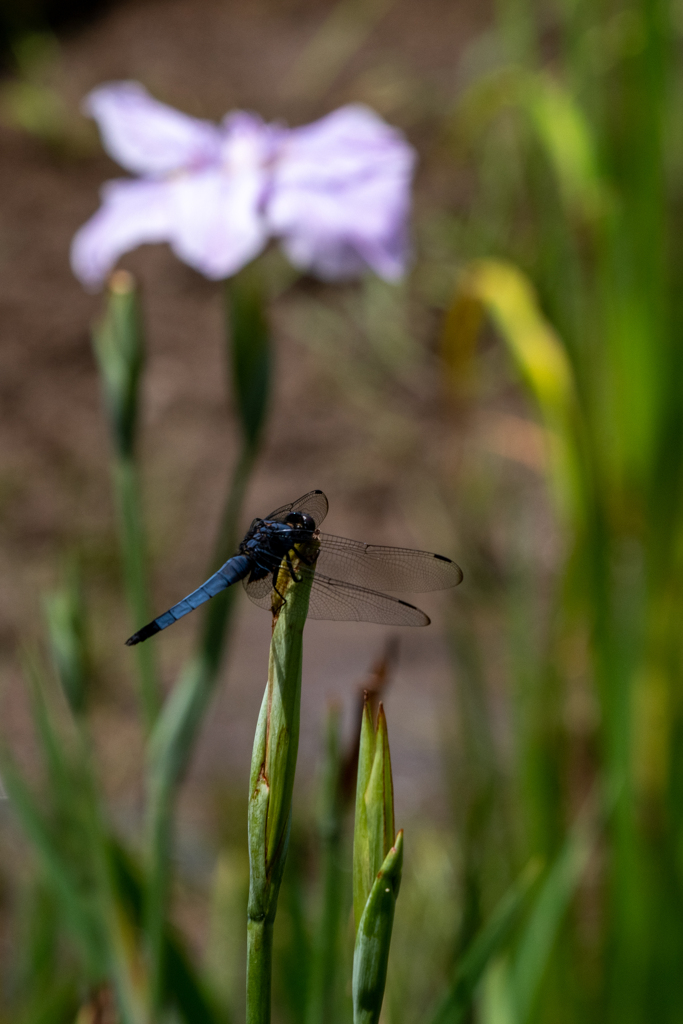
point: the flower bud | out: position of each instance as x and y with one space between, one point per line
119 350
373 938
374 825
377 868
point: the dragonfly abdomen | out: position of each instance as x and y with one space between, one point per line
236 568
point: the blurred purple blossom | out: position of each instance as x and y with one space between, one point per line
336 192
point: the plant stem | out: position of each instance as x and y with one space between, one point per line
259 970
271 781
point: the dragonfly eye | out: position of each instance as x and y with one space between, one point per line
301 520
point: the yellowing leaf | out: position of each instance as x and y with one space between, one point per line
503 291
509 298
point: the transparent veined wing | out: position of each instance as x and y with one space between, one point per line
314 503
259 590
345 602
385 568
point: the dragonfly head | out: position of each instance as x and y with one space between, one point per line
301 521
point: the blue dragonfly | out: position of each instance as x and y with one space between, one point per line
349 577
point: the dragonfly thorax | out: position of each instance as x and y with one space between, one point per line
268 539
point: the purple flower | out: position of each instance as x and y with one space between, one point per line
336 192
201 186
340 198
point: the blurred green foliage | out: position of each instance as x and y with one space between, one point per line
590 138
31 87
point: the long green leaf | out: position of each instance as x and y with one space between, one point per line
536 943
490 941
78 914
65 614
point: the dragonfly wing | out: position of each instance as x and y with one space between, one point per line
335 599
314 503
340 601
384 568
259 591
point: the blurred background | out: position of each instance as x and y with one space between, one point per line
515 404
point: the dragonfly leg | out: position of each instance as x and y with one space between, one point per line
297 579
267 570
281 596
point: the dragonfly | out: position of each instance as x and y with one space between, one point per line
349 576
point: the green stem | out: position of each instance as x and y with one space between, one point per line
134 554
259 970
271 781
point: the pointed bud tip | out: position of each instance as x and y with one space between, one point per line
121 282
392 865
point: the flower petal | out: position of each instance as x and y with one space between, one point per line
132 212
341 195
218 225
148 137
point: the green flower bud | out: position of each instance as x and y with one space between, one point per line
376 868
119 350
374 825
373 938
